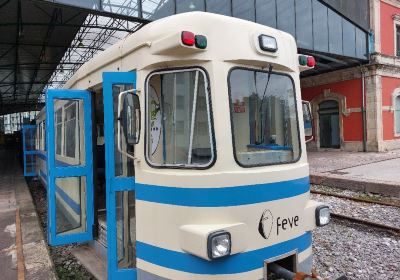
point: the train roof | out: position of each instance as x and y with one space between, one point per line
157 44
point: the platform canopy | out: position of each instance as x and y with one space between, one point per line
44 42
31 46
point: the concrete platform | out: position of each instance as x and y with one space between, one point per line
23 250
368 172
92 261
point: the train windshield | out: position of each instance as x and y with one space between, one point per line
264 117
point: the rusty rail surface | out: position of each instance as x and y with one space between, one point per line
392 229
357 199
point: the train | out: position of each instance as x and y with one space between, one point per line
180 153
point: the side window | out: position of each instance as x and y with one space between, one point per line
59 125
43 136
70 129
179 128
397 40
37 138
397 115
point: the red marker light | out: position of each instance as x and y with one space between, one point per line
311 61
188 38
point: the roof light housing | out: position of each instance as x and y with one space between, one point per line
311 61
307 61
268 43
201 41
188 38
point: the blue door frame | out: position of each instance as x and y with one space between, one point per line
29 170
113 183
56 171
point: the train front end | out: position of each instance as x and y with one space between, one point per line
223 190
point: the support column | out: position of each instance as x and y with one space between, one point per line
373 92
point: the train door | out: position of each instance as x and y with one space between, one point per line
120 135
69 166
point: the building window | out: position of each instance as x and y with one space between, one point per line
397 40
397 115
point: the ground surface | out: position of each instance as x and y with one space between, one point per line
340 248
66 265
354 250
368 172
330 161
23 252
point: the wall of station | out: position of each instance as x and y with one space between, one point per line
348 95
390 87
387 27
389 18
382 87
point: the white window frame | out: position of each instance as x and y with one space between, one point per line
396 23
396 95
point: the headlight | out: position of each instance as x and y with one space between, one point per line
322 215
219 244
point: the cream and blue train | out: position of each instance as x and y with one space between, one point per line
179 153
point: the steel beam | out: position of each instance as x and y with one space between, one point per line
95 7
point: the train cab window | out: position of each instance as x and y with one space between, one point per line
264 118
179 128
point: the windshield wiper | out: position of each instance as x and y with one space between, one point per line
263 98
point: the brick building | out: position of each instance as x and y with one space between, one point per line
358 108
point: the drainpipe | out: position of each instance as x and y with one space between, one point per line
363 111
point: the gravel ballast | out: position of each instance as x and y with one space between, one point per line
387 215
356 250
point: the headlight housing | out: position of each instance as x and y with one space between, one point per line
322 215
268 43
219 244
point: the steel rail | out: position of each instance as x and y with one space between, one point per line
392 229
357 199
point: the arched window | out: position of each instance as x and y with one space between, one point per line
397 114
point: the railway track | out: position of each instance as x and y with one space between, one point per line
392 229
357 199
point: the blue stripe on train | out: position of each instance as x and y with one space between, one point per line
238 263
74 206
222 197
42 155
